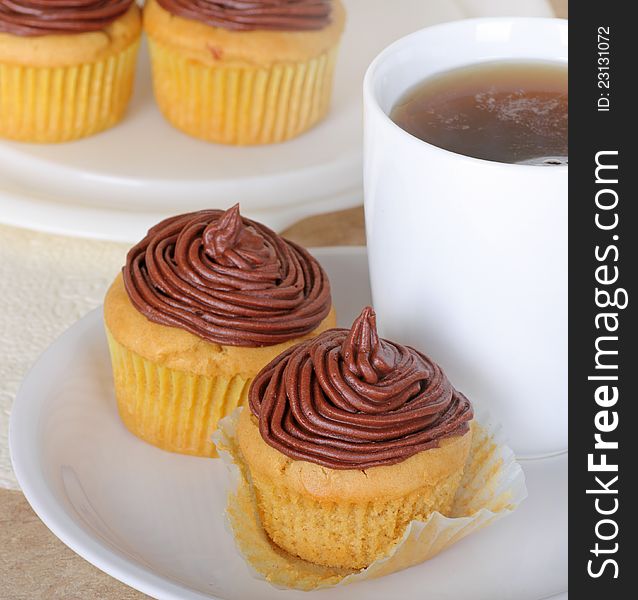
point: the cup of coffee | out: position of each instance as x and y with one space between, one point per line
465 179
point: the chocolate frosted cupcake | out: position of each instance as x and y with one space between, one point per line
205 300
66 66
240 72
349 438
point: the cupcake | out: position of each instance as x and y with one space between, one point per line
239 72
66 66
205 300
348 438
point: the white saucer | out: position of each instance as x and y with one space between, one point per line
117 184
155 520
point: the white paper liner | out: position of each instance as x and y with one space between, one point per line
493 485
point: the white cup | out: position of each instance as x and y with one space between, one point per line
468 257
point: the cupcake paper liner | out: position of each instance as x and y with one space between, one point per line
174 410
493 485
58 104
241 105
357 532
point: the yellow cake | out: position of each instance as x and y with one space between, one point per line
255 84
176 374
66 73
348 438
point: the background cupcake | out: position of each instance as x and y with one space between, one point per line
66 67
205 300
243 72
348 439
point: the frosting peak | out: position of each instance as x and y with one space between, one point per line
363 352
229 241
226 279
349 400
46 17
223 235
249 15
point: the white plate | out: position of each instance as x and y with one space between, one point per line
155 520
117 184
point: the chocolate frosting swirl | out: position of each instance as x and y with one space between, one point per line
226 279
44 17
350 400
248 15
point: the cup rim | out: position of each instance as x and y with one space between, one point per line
371 102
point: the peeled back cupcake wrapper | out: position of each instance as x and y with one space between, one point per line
493 485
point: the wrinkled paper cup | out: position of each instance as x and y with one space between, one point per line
493 485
